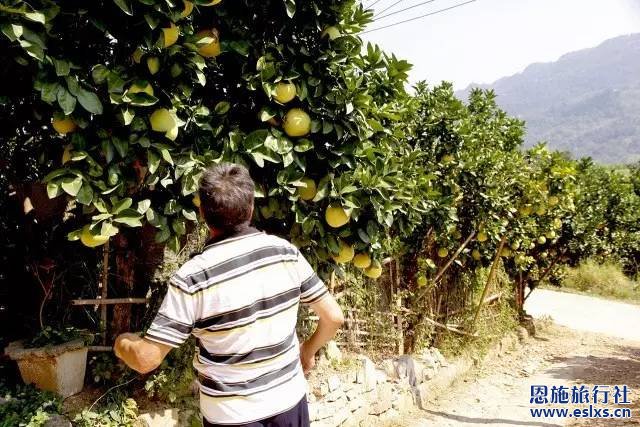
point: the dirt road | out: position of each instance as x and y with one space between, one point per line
603 347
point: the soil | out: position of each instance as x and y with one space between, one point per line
498 392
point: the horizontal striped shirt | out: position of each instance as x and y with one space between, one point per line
240 299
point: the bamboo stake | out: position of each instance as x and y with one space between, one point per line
488 300
449 328
445 267
453 258
492 273
103 293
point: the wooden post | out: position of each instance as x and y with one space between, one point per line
104 293
492 273
399 319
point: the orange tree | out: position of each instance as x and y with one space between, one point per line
605 225
483 189
122 103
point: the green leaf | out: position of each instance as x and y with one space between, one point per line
141 99
12 31
240 46
121 205
166 155
255 139
291 8
122 4
35 17
89 101
129 221
32 49
202 79
190 214
364 236
66 101
85 195
303 145
62 67
153 161
107 150
53 189
179 226
143 206
71 185
162 235
222 108
72 85
122 146
322 189
127 115
99 73
152 21
49 92
266 113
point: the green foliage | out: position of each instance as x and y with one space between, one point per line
604 279
606 224
173 381
51 336
121 173
27 406
123 414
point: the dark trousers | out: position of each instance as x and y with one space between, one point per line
298 416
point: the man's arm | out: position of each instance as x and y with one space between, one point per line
331 318
140 354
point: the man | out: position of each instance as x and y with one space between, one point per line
240 299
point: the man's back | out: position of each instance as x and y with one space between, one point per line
240 299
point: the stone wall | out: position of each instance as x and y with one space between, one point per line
371 394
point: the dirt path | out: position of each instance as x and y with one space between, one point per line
498 393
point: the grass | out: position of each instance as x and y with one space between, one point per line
605 280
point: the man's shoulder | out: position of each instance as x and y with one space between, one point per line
193 271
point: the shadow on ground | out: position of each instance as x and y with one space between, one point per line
620 367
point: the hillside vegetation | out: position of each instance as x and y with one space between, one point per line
586 103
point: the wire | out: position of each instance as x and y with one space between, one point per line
387 8
419 17
406 8
372 4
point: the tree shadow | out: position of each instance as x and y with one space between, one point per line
473 420
620 367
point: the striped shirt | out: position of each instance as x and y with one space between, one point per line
240 299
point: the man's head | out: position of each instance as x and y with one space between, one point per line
226 197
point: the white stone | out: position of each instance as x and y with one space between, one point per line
439 357
333 352
334 382
366 373
389 368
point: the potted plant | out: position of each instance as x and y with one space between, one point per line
54 360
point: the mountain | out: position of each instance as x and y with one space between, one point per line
587 103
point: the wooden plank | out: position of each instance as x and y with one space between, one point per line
109 301
98 348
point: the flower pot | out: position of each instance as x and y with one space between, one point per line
57 368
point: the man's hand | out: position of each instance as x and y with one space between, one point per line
140 354
307 358
331 318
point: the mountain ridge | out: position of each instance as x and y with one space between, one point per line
586 103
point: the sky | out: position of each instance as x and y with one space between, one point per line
488 39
